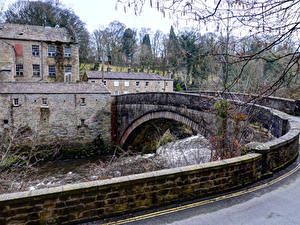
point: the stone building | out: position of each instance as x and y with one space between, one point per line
38 54
72 113
124 83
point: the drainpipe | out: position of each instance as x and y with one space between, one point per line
102 67
42 62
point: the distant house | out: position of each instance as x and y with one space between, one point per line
38 54
124 83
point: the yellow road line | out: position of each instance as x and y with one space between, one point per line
204 202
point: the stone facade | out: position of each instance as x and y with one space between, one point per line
125 83
38 54
72 113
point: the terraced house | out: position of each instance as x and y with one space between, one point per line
129 82
38 54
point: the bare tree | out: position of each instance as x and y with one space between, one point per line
20 152
275 21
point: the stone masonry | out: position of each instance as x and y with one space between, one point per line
73 113
125 83
38 54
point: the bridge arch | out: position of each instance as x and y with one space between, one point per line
199 128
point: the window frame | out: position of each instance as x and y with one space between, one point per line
104 82
19 70
67 54
35 72
82 101
126 83
53 52
35 50
51 73
44 101
137 83
147 84
16 102
116 83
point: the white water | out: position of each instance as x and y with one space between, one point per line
188 151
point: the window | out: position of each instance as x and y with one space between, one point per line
166 84
92 81
116 83
68 52
35 70
19 70
126 83
35 50
15 102
68 69
116 93
126 92
52 71
5 121
104 82
137 83
147 83
44 101
82 101
51 51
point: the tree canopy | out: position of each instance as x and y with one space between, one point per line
275 23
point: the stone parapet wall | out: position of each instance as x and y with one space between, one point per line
133 109
105 198
281 104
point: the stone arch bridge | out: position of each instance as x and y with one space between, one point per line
131 111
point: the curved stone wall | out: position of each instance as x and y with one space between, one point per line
105 198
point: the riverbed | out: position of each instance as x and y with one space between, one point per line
188 151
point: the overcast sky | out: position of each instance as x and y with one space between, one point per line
101 12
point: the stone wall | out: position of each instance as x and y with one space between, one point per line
7 59
65 118
152 86
27 59
195 110
105 198
281 104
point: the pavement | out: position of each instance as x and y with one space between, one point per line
275 201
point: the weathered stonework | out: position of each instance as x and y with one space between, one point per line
65 117
127 82
105 198
7 57
14 36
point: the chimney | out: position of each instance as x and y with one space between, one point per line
129 69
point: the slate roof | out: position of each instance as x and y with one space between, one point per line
52 88
124 76
35 33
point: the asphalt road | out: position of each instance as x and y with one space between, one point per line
275 201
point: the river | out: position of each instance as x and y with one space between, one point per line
188 151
